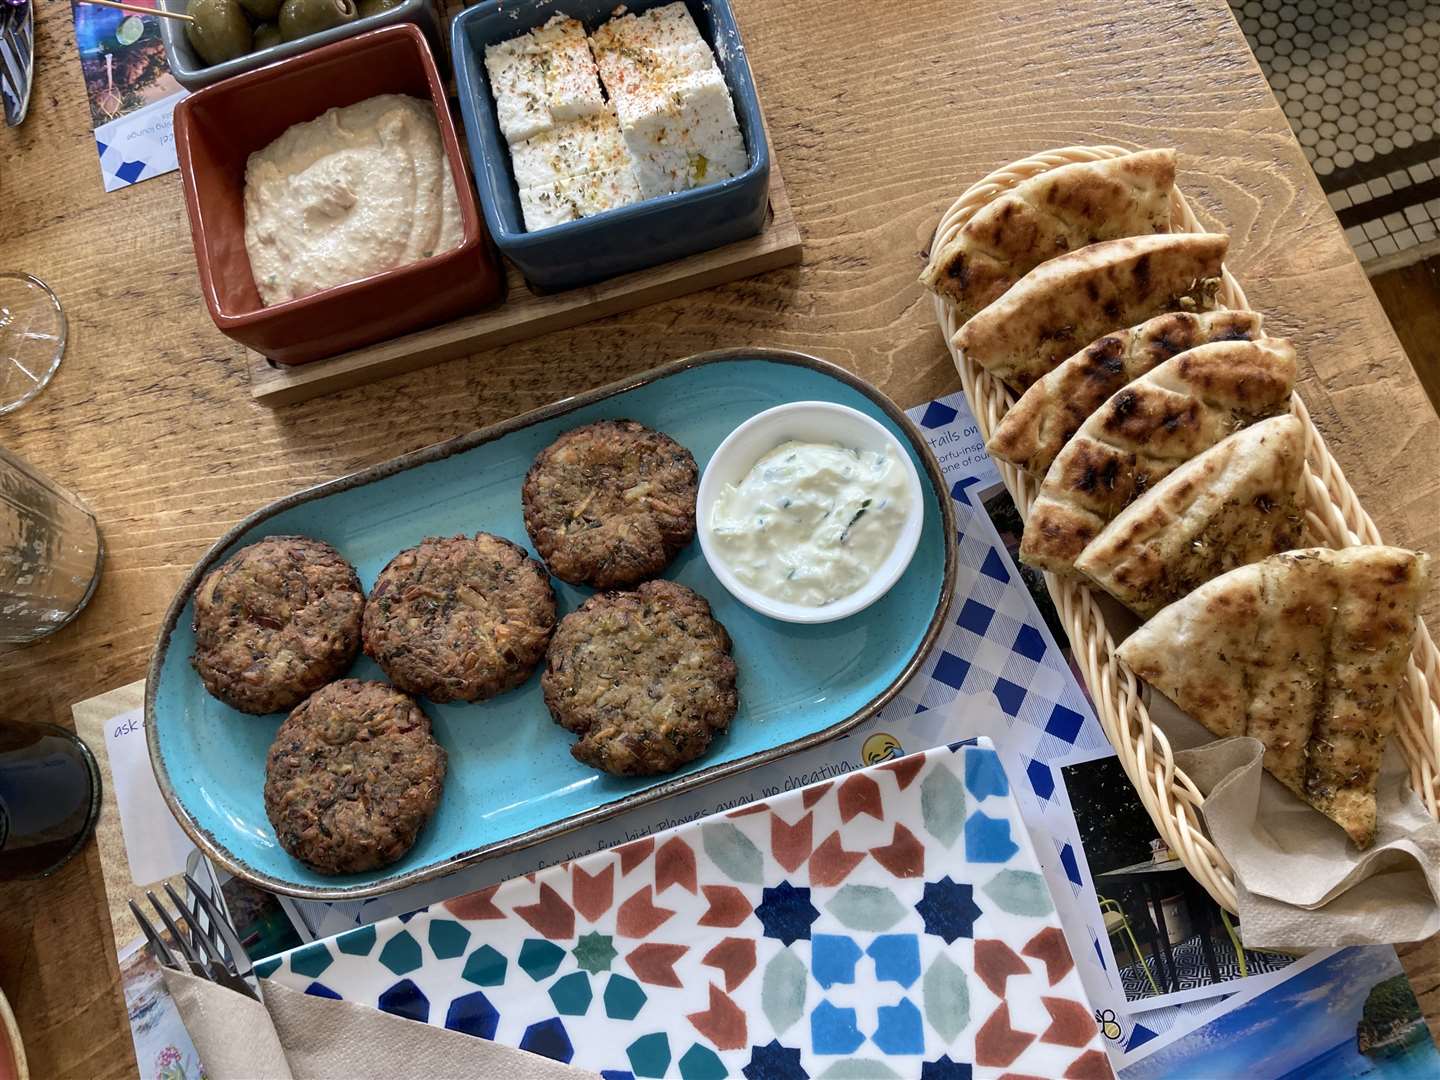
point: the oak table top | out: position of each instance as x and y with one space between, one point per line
880 114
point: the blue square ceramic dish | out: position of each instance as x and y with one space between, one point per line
631 237
511 779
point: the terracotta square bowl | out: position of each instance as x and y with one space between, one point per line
219 127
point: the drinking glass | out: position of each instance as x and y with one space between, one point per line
50 553
49 798
32 337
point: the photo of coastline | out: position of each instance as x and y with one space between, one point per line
1352 1014
163 1050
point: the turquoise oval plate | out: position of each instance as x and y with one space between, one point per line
512 781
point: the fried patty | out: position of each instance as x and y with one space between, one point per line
352 777
644 678
610 504
460 619
275 622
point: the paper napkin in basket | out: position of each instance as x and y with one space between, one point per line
1300 883
296 1036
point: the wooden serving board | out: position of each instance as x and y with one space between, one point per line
526 314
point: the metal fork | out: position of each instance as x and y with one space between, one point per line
208 946
17 58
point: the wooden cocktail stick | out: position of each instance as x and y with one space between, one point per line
137 10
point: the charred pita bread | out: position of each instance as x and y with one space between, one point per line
1305 651
1052 410
1064 303
1236 503
1058 211
1284 698
1145 432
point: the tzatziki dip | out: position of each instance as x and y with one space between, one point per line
811 522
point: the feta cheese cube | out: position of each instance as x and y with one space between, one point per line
685 137
577 196
517 80
572 83
543 207
590 144
561 30
641 55
667 27
542 78
635 77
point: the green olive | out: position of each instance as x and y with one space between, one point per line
301 17
374 7
263 11
267 34
218 30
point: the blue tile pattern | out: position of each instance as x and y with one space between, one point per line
833 932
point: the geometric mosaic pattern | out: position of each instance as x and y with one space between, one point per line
1360 83
1193 972
1411 225
998 643
893 923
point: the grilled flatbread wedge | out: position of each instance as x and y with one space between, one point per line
1306 652
1236 503
1145 432
1071 300
1052 410
1058 211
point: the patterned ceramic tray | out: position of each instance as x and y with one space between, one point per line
890 924
512 781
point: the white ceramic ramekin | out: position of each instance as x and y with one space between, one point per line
807 421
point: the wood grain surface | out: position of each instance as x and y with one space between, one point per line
526 315
1411 298
881 114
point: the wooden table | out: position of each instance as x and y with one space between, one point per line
880 113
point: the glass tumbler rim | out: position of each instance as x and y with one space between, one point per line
92 808
41 380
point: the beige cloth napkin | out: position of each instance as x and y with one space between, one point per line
1300 882
296 1036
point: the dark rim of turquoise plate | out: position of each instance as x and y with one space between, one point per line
439 451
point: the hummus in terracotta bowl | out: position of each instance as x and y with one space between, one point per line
356 191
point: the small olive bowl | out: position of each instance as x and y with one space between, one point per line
192 72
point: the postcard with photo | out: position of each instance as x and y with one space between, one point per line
131 91
1350 1013
1167 939
163 1050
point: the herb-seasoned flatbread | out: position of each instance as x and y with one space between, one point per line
1145 432
1052 410
1234 504
1305 651
1370 642
1058 211
1071 300
1285 697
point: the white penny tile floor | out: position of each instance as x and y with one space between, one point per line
1358 81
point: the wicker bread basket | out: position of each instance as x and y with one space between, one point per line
1335 517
